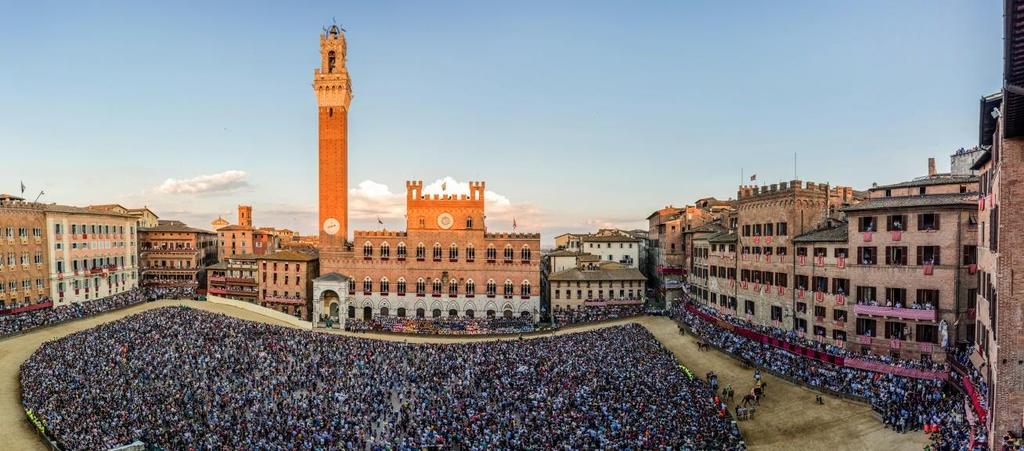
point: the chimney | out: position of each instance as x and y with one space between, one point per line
931 167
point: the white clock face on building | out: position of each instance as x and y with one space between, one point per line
331 226
445 221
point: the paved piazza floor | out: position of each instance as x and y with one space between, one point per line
788 419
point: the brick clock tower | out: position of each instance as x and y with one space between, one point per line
333 93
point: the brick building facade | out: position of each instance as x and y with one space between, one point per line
285 281
172 254
24 260
445 263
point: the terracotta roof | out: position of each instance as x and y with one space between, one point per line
289 255
729 237
107 207
941 179
599 274
608 239
332 277
173 227
589 258
79 210
218 265
838 233
234 227
931 200
563 253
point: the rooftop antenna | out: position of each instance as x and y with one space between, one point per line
37 197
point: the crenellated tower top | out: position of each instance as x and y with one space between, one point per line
330 81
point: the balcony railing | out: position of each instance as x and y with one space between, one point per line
903 313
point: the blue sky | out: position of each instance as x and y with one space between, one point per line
577 114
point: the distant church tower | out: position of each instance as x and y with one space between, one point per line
333 94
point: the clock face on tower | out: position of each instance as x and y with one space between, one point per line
331 226
445 221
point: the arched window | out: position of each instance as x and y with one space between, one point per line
435 288
421 287
470 288
351 286
509 253
401 312
384 286
524 289
469 222
524 253
401 250
453 288
367 249
436 313
383 311
420 313
367 284
421 251
492 254
330 62
401 286
453 252
470 313
470 252
453 313
385 250
437 251
492 288
508 288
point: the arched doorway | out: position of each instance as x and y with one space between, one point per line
436 313
351 311
401 312
383 311
420 313
469 313
367 313
331 303
490 313
453 313
524 315
508 314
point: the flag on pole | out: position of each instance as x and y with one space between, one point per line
514 225
753 178
379 221
444 185
22 187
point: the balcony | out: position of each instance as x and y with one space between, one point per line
892 312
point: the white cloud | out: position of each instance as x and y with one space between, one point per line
370 200
224 182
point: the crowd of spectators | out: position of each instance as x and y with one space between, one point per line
21 322
897 304
154 293
590 314
905 404
441 326
796 338
201 380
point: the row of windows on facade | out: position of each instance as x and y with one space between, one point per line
22 232
26 285
111 279
453 252
898 223
92 228
297 266
925 333
285 294
384 287
767 229
609 245
868 255
623 294
421 313
91 245
287 279
25 259
170 264
86 264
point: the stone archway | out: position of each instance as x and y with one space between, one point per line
330 301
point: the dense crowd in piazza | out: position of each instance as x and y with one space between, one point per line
17 323
590 314
441 326
905 404
224 383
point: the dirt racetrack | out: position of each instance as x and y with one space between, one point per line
788 418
